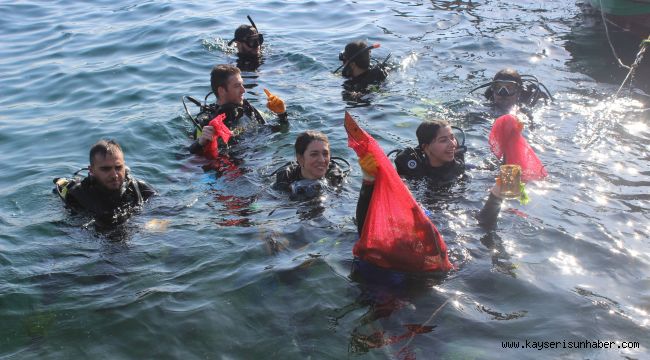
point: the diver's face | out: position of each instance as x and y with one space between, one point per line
315 161
233 92
249 47
506 94
109 170
442 149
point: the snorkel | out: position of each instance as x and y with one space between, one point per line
248 35
260 37
252 22
351 58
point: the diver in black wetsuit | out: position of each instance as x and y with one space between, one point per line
313 170
356 67
228 86
249 42
109 192
510 92
437 156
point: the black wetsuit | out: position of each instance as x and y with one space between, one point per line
248 62
108 206
292 173
413 163
372 76
235 120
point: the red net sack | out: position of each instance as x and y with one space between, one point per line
211 150
396 233
506 141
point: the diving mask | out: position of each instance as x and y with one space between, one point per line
307 188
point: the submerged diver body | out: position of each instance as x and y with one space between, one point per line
313 170
248 41
109 192
240 115
356 67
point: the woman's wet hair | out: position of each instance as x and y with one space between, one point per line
220 75
104 147
304 139
362 60
428 130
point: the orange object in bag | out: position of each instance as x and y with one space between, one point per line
396 233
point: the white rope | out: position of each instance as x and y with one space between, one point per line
602 15
636 63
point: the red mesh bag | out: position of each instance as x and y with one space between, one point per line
396 233
506 141
211 150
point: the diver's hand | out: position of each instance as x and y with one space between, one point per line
368 167
206 135
274 103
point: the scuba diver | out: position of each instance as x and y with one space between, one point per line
239 115
313 170
109 192
509 91
356 67
438 157
248 41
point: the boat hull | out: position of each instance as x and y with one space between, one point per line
630 15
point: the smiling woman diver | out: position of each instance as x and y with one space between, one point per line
314 168
437 157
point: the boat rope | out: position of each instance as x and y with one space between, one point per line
435 312
639 56
602 15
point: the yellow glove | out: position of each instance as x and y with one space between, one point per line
369 167
274 103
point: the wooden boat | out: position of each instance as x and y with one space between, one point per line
630 15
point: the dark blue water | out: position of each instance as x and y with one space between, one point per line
238 271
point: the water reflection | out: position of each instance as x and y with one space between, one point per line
500 254
383 293
249 64
593 210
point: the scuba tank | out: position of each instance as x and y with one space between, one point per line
63 185
208 112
